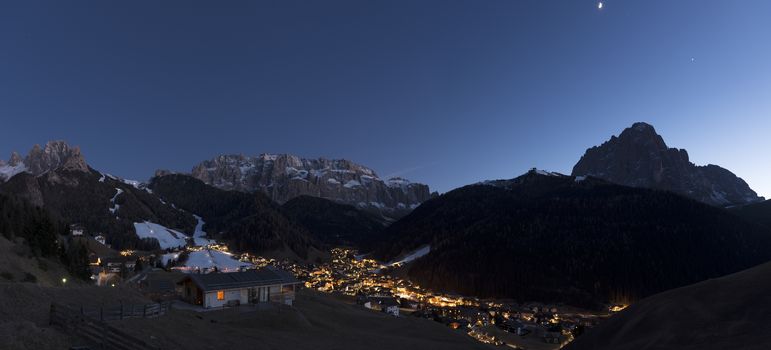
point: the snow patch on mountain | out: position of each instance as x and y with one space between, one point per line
115 206
208 259
166 237
352 184
199 236
412 256
9 171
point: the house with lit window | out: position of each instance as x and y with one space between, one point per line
264 285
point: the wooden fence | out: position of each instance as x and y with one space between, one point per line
124 311
96 331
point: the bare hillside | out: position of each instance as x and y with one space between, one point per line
316 322
731 312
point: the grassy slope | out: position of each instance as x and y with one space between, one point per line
730 312
316 322
24 312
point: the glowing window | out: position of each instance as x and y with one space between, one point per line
220 295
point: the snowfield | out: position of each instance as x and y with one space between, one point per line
167 237
7 171
419 253
352 184
165 258
199 234
209 259
136 184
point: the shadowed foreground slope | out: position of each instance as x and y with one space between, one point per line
731 312
316 322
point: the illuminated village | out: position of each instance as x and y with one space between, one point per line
370 284
378 287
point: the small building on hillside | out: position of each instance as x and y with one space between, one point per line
235 288
76 230
388 305
101 239
118 263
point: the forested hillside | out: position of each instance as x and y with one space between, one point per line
249 222
578 240
759 213
44 236
334 223
101 204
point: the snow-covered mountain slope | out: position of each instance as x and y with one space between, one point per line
284 176
167 238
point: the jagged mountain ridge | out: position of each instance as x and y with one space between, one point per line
578 240
284 176
639 157
55 155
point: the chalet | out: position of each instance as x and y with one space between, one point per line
116 264
388 305
76 230
229 289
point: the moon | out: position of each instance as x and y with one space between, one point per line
600 5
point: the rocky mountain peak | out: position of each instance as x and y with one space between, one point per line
643 127
55 155
39 160
641 136
639 157
15 159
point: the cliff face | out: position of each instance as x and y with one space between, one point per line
283 177
639 157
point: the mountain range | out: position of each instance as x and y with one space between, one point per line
635 218
285 176
57 178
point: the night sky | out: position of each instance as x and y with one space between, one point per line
442 92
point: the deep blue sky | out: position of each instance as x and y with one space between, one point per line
444 92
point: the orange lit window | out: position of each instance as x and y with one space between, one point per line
221 295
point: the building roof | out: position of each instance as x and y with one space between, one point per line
384 301
158 286
234 280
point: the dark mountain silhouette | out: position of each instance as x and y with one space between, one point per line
730 312
100 203
334 223
759 213
584 241
249 222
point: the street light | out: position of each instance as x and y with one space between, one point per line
64 280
